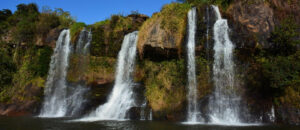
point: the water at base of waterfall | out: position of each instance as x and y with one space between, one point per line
32 123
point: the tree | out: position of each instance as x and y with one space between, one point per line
4 14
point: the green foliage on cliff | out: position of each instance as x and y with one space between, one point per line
4 24
46 22
165 84
75 30
204 84
282 72
172 19
284 38
100 69
7 67
282 75
275 71
222 3
108 34
27 23
32 67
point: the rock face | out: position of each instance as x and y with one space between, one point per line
286 8
257 17
49 39
252 21
254 18
162 36
288 114
108 36
156 42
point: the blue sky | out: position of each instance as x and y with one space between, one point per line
91 11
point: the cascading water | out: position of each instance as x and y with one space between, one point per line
193 112
146 113
62 99
55 104
121 98
80 42
143 113
76 99
224 104
87 45
84 41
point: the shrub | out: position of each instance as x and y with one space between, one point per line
281 72
284 38
75 30
47 21
164 83
7 68
65 19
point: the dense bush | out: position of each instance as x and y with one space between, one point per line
165 84
108 34
284 38
46 22
7 67
42 61
75 30
281 72
4 15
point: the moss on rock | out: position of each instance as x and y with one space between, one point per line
165 29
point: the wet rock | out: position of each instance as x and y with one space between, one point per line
288 114
134 113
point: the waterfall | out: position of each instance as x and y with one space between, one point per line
146 113
193 112
224 104
143 113
87 45
62 99
76 98
121 99
80 42
150 115
84 41
55 104
271 115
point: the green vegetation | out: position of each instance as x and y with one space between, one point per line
31 70
284 38
203 77
165 84
172 19
223 3
275 72
8 68
27 23
100 68
108 34
75 30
